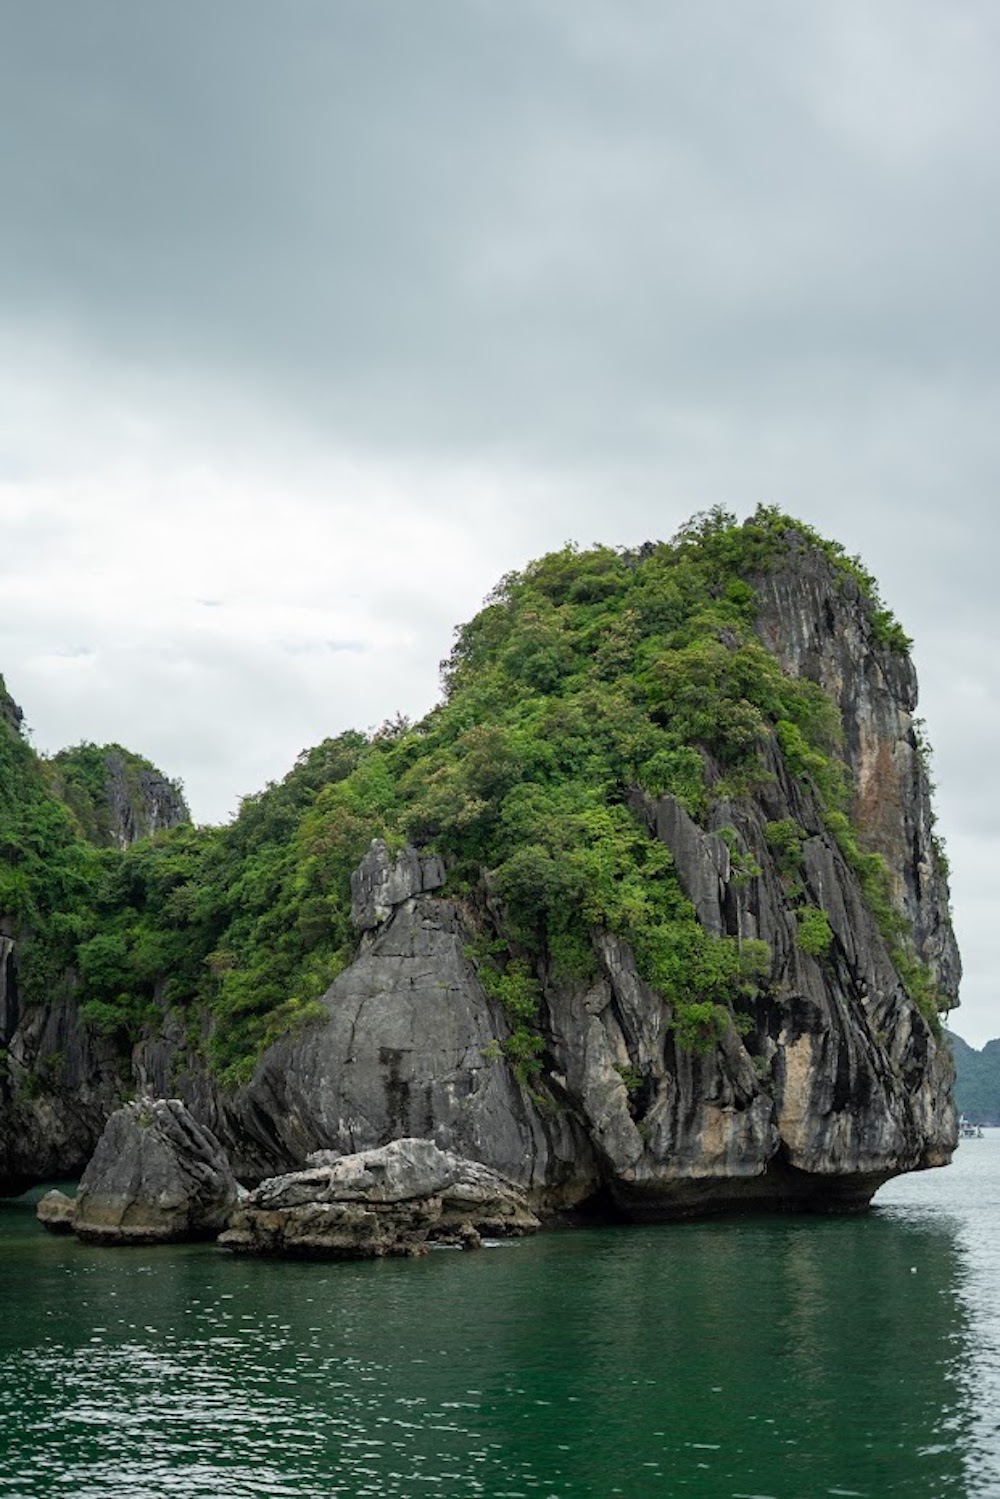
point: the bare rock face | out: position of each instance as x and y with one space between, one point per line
60 1083
381 883
411 1045
838 1083
140 802
677 1130
818 627
391 1201
156 1175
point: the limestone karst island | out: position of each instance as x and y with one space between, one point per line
646 919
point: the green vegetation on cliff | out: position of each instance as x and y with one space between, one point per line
586 676
109 790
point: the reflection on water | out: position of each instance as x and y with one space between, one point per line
756 1357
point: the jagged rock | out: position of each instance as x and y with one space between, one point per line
117 796
324 1157
156 1175
840 1082
697 1129
818 627
381 883
61 1082
390 1201
56 1212
704 857
141 802
10 713
411 1045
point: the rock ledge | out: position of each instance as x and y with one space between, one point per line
394 1200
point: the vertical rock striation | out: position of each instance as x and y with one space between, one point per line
816 623
411 1046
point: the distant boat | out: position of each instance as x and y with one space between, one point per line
969 1131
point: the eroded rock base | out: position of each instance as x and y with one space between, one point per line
395 1200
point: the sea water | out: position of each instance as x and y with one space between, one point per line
788 1357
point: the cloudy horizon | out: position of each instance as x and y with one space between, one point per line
313 326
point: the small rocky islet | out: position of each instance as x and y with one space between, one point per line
648 918
158 1177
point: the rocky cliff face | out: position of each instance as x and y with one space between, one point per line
411 1046
818 627
140 803
59 1078
59 1084
117 796
829 1081
839 1083
10 713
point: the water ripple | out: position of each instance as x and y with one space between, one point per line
755 1359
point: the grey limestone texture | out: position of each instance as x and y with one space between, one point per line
157 1175
396 1199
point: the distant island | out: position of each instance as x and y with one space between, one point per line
977 1080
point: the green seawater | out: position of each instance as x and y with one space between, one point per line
742 1358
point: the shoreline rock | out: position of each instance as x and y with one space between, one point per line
156 1176
56 1212
394 1200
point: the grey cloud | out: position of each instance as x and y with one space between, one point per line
470 224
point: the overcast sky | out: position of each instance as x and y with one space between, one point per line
316 318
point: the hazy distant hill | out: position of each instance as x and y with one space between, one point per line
977 1085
